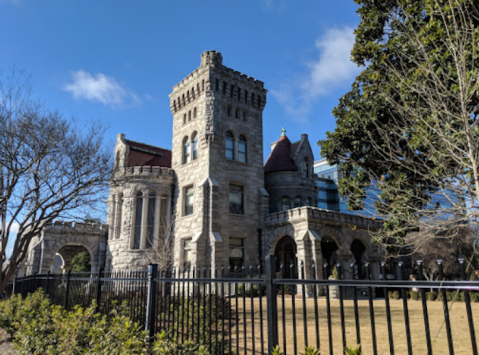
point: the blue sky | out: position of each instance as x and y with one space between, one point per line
117 60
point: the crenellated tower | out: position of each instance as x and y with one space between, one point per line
218 160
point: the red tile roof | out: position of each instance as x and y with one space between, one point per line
142 154
280 157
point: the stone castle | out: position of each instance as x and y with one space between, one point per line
212 195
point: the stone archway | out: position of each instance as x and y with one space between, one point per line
69 251
67 238
285 252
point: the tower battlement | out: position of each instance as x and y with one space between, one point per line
147 171
211 59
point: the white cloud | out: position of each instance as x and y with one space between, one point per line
332 69
99 88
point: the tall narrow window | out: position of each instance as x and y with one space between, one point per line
305 168
224 87
259 101
230 145
198 88
189 194
236 253
237 112
239 94
174 105
194 112
184 118
236 199
309 201
189 116
297 202
217 85
203 85
187 253
285 203
252 99
193 92
194 138
246 97
150 220
186 150
232 90
244 116
138 215
242 149
228 110
188 95
118 216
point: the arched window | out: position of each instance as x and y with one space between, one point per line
230 145
186 150
194 139
285 203
297 202
150 220
138 216
242 149
194 112
305 167
193 92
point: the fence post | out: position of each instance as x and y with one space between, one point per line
98 289
271 304
47 284
151 301
14 285
67 290
34 288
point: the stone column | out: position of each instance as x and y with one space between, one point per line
157 223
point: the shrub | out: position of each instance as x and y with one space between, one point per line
431 296
393 295
414 295
474 296
353 351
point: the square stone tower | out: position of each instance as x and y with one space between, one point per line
218 160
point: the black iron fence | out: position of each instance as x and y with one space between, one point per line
246 311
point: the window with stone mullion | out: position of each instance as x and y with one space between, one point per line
150 222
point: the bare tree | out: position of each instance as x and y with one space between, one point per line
49 168
448 246
162 248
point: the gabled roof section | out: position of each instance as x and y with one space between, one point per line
280 157
141 154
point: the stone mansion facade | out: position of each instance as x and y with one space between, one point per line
212 194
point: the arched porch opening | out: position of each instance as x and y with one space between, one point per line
69 252
285 253
328 249
358 250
